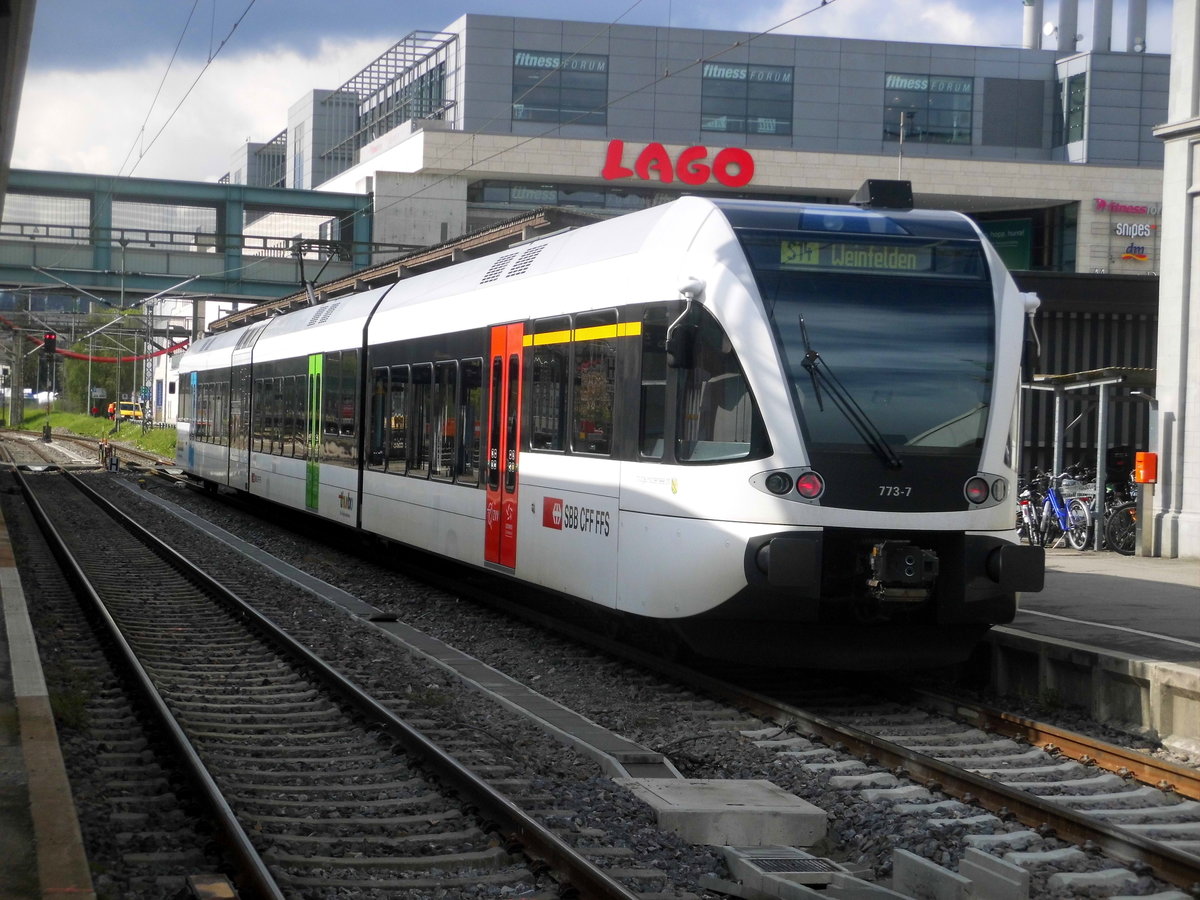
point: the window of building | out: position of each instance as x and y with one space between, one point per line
298 181
559 87
931 109
1070 104
746 99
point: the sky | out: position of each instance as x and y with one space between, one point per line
171 88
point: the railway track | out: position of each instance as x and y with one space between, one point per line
933 755
72 452
811 753
316 786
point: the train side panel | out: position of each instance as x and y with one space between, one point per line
439 517
568 528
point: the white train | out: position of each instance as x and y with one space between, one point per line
773 431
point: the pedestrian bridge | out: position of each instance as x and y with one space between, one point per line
119 241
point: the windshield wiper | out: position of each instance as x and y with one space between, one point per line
820 373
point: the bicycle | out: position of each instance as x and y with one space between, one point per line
1047 517
1120 531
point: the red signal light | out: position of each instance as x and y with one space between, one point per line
810 485
976 489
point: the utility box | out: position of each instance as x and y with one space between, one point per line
1145 468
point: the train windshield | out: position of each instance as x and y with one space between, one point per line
888 340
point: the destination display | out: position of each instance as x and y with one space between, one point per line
928 258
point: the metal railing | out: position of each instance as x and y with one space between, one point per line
197 241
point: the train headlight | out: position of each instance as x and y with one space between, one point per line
999 489
976 490
779 482
810 485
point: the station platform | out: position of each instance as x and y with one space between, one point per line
1129 604
1118 636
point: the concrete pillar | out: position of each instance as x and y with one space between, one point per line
1101 26
1135 34
1177 503
1031 37
1068 25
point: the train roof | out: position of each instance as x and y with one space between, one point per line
775 216
642 255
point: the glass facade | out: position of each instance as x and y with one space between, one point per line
931 109
746 99
1071 103
559 87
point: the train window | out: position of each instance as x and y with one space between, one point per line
256 424
298 407
494 434
470 418
221 414
341 374
278 411
594 381
511 423
332 397
420 436
549 361
347 409
290 405
445 419
239 410
718 418
378 420
397 422
269 411
271 415
652 418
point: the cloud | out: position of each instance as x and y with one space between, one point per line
92 121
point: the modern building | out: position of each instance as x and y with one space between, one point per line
1051 150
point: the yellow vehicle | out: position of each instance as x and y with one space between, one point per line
128 409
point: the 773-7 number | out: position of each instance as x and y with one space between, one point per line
895 490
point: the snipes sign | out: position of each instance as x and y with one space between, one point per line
732 167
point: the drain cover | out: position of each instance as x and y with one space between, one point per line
793 864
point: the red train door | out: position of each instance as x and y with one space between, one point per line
503 444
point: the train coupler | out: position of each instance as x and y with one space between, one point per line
901 572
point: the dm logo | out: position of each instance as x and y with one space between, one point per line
552 513
1135 251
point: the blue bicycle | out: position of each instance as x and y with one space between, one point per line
1048 518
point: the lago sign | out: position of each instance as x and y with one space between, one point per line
732 167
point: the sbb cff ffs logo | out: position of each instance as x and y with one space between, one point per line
565 517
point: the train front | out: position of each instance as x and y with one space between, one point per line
899 335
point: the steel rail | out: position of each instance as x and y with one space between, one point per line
1171 865
253 875
1164 775
522 830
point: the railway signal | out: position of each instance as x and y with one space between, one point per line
49 343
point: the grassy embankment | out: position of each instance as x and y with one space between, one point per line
152 440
